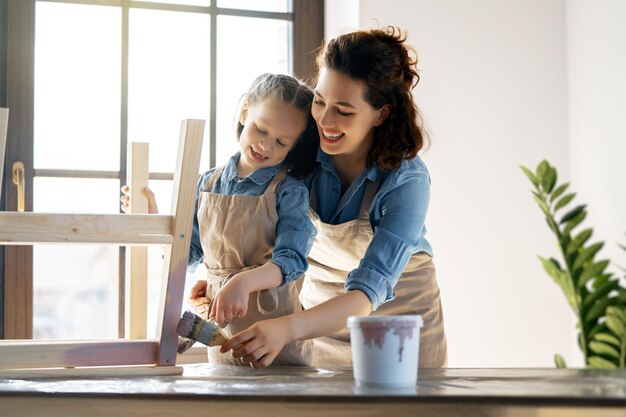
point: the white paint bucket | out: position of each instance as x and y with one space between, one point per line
385 349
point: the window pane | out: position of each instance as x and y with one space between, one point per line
77 94
240 59
281 6
75 292
75 288
168 80
76 195
206 3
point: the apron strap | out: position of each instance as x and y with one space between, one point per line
368 197
214 177
272 292
278 177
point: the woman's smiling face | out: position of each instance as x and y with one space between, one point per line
344 119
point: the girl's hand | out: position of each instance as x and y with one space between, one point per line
198 299
125 199
260 343
231 300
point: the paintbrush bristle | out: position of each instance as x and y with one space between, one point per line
186 324
192 327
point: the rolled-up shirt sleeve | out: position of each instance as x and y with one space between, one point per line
396 237
294 230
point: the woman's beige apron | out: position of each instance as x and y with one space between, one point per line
238 232
336 251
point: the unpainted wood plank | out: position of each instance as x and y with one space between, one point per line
136 297
48 354
28 228
92 372
4 124
176 256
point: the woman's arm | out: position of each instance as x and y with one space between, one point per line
399 230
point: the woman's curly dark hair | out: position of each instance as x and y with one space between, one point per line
388 66
300 160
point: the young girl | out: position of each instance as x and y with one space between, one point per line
369 197
251 228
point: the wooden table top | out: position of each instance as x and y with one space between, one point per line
318 391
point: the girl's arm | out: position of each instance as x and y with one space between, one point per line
294 229
294 237
259 344
232 299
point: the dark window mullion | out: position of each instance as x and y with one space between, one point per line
213 87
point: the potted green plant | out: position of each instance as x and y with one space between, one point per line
594 293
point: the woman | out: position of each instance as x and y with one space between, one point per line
369 198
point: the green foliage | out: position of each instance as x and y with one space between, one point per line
594 294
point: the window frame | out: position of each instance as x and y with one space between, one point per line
17 27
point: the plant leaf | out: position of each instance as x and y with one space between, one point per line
530 176
587 254
542 168
597 310
592 271
600 292
617 312
574 222
553 226
616 326
543 205
603 349
548 180
607 338
598 362
564 201
560 277
579 240
557 193
572 213
559 361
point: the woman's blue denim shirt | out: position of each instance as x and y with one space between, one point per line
397 215
294 230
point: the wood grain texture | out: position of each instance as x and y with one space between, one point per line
28 228
176 256
92 372
136 285
62 406
4 124
49 353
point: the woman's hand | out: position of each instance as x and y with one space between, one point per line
231 300
198 299
125 199
260 343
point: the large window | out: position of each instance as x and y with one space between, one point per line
110 72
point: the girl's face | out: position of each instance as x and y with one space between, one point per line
271 128
344 119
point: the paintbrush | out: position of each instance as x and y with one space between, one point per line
192 328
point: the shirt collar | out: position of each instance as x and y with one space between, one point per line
260 176
327 164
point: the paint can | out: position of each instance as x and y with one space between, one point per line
385 350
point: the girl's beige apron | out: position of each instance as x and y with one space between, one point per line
237 232
336 251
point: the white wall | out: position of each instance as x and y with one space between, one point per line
597 126
495 94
